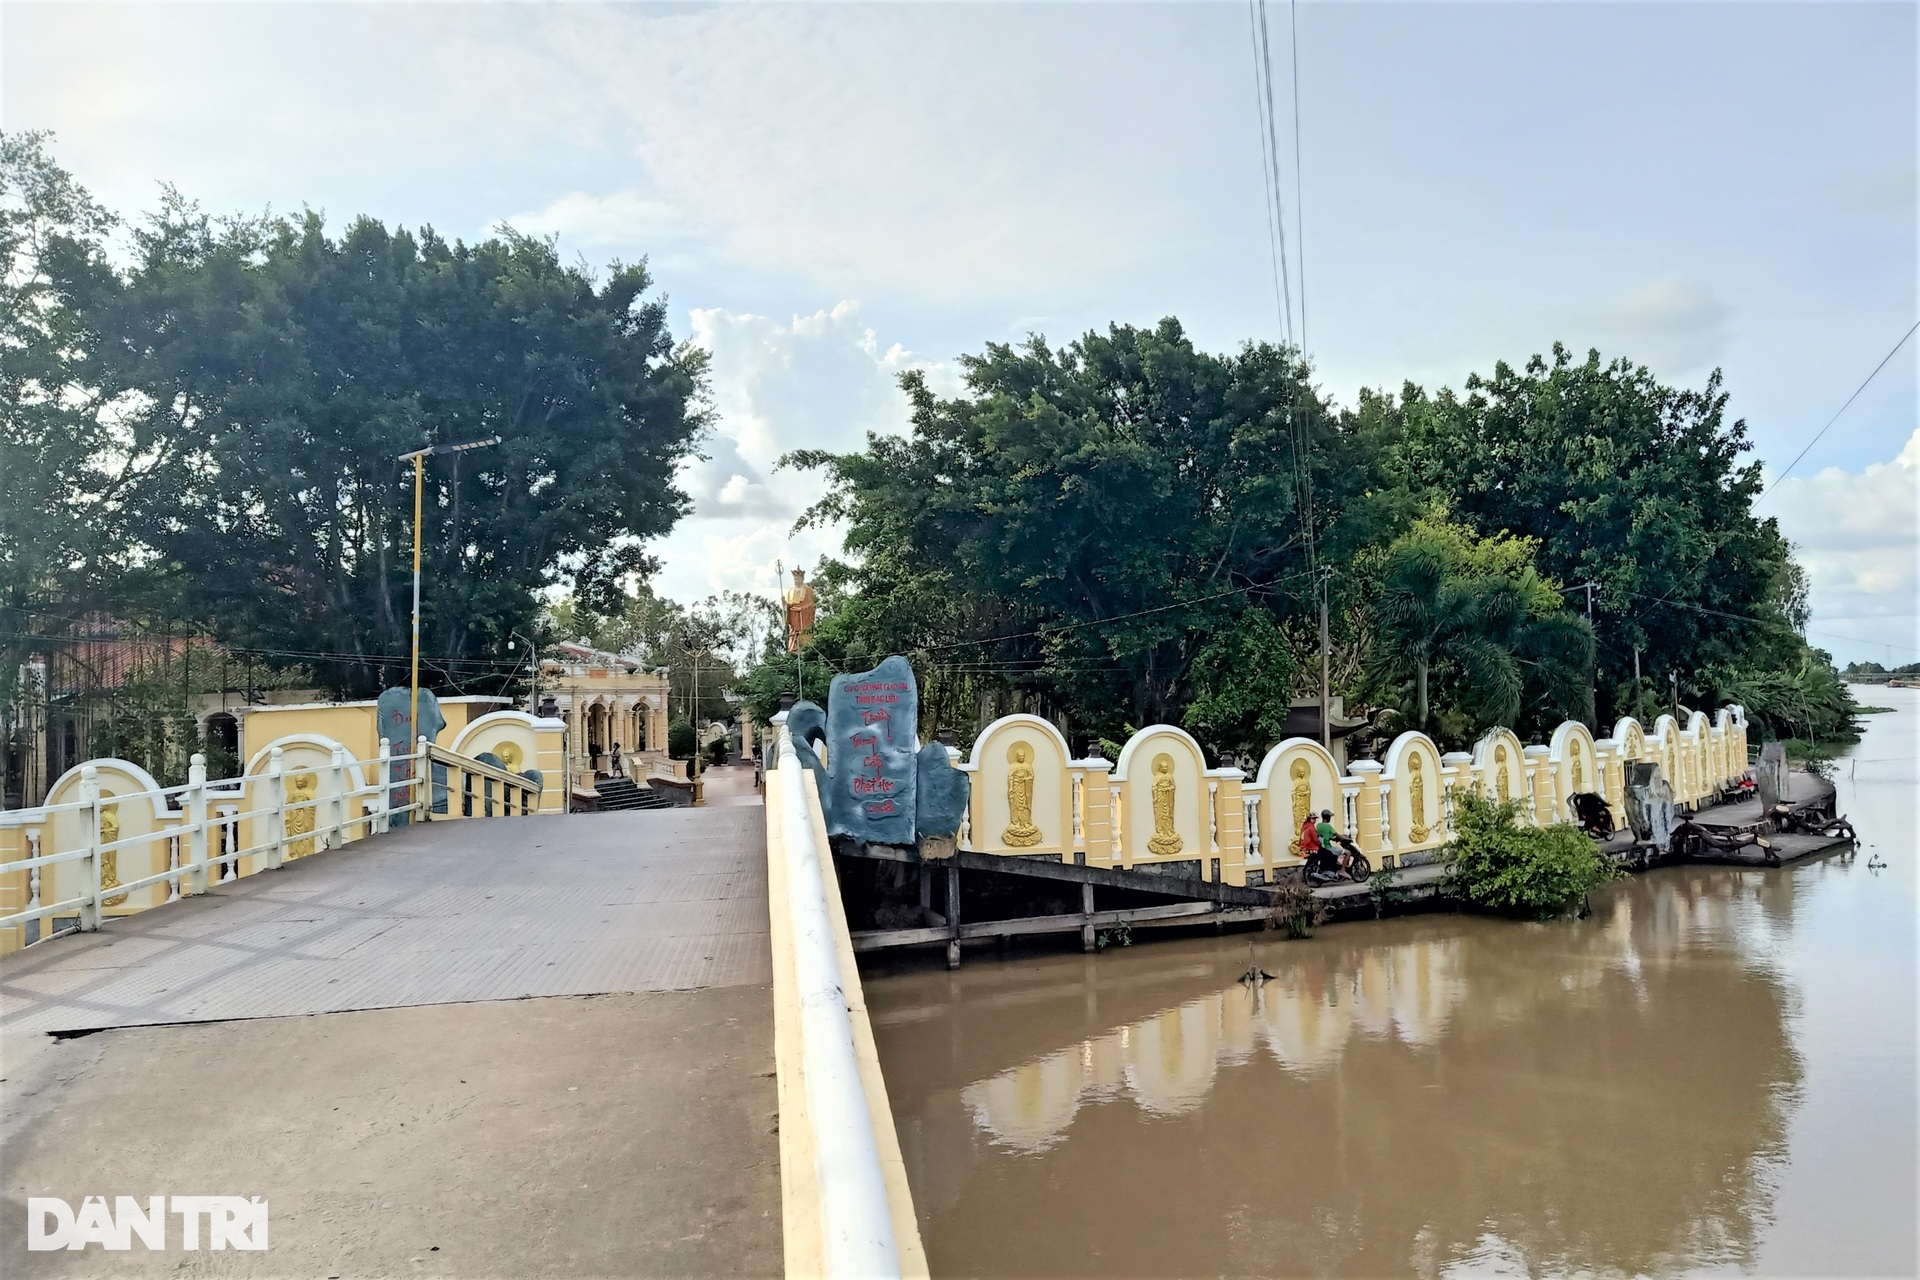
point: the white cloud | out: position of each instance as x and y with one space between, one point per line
921 148
623 218
1672 324
1859 538
819 381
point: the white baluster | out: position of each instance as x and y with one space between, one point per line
33 879
276 809
339 832
383 779
196 808
1213 817
423 783
90 795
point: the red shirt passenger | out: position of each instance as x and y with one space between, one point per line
1309 836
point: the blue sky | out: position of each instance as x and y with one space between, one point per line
832 193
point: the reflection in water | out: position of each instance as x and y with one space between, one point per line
1716 1071
1430 1094
1165 1063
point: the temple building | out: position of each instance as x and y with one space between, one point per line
605 699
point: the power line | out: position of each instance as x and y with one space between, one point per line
1299 200
1766 622
1843 408
1266 176
1263 75
1101 622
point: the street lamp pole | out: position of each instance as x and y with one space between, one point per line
419 459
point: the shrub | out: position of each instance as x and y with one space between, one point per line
1296 911
1542 872
680 740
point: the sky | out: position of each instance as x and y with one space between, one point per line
831 194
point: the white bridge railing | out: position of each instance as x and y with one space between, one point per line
203 831
847 1208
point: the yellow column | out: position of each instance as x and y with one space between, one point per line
1096 810
1607 759
1367 809
1230 823
1540 788
13 887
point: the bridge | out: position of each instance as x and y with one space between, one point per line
448 1029
533 1045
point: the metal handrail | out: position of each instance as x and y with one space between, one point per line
193 822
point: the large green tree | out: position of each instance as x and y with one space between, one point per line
62 474
1119 523
1627 483
269 373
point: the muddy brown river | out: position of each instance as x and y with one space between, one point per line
1714 1073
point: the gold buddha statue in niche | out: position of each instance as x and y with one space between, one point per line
110 858
1302 803
1501 786
1021 832
1165 839
1417 798
302 788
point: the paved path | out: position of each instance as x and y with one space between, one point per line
519 1047
499 909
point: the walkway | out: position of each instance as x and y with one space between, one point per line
379 1040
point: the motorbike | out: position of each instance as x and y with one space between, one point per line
1323 865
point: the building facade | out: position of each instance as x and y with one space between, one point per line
606 700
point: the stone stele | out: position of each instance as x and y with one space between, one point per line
393 711
873 720
941 795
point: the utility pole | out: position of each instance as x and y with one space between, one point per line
1593 666
419 459
1673 694
1326 702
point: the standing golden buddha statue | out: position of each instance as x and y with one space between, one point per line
802 606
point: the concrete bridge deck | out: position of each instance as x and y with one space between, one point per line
514 1047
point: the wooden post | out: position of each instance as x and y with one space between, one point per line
953 917
926 887
1086 910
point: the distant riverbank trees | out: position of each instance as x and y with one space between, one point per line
1128 529
203 417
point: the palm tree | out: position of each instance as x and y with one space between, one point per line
1501 645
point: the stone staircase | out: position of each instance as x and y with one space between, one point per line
621 793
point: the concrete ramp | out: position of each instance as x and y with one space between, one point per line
586 904
431 1119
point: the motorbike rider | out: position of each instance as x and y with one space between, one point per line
1331 840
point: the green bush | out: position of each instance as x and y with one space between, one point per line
680 740
1496 863
718 750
